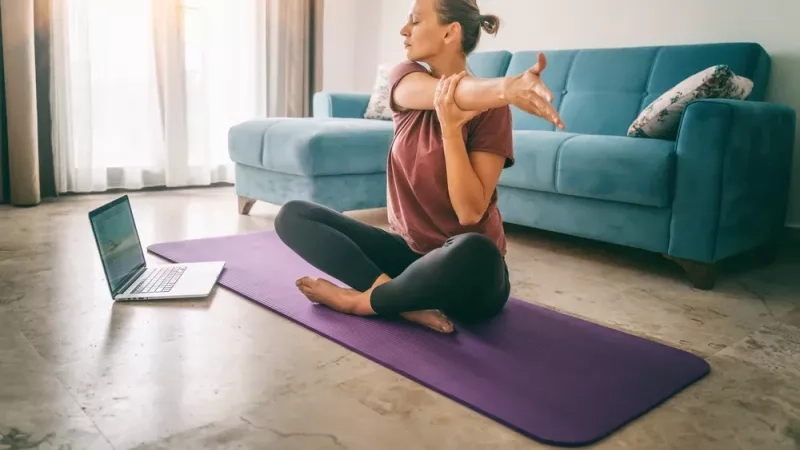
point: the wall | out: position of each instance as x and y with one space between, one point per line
609 23
350 46
338 45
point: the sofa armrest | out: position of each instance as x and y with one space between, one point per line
733 169
340 104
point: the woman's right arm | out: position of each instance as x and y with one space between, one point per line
526 91
416 91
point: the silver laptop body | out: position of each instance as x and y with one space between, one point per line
128 275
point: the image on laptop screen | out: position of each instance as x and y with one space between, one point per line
118 242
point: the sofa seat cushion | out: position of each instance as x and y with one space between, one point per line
312 146
615 168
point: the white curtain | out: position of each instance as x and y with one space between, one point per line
145 91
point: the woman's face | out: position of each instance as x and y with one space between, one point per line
424 35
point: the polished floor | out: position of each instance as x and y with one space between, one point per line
79 372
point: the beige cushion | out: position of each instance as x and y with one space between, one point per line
378 107
661 118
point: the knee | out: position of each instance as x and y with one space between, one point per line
475 250
288 215
474 244
479 270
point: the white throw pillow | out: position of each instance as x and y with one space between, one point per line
661 118
378 107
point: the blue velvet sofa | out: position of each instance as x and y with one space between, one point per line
719 189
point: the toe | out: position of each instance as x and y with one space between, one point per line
307 282
445 325
309 295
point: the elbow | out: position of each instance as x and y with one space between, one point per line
469 218
470 211
469 222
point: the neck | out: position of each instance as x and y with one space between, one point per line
446 66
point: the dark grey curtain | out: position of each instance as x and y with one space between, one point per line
47 173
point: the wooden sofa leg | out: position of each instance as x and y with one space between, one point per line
245 205
703 276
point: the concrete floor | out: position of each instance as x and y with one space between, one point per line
77 371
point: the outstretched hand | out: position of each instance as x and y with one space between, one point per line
528 92
451 116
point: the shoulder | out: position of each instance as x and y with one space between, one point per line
404 68
395 76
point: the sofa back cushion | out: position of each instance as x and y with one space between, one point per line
602 91
489 64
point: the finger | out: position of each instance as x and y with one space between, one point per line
438 92
446 90
459 76
541 63
556 120
551 115
451 87
547 111
545 92
454 84
544 105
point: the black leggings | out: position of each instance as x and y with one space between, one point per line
467 278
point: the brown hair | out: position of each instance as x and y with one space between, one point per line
466 13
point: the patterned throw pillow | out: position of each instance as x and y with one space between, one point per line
378 107
661 118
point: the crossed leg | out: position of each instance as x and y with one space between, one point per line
467 277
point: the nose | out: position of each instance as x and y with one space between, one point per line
404 31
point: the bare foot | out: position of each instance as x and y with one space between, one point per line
350 301
432 319
322 291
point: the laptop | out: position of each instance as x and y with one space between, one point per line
128 275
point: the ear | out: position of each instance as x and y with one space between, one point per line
453 33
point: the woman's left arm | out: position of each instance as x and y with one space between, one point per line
472 174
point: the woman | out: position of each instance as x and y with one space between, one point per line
445 252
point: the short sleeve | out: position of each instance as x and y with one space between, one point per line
492 132
397 73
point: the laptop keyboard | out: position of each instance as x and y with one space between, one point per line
160 280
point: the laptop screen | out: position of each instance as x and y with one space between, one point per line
117 241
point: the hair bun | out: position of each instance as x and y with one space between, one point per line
490 23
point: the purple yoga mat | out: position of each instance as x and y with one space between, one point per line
553 377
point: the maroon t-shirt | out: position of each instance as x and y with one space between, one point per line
418 201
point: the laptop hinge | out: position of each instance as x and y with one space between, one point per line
131 279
